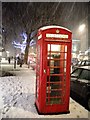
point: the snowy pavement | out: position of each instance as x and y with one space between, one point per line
17 98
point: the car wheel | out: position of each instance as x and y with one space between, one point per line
88 103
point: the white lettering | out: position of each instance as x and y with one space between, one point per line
56 35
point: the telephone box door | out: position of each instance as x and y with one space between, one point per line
56 67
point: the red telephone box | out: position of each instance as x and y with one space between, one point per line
53 69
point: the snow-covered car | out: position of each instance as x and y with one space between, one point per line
81 63
80 84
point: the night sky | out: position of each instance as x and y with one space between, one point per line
18 17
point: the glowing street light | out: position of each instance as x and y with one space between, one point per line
81 27
7 53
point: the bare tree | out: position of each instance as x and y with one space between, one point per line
29 16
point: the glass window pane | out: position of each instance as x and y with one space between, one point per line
55 78
85 75
87 63
54 70
53 63
55 47
83 63
48 47
55 93
55 86
77 72
55 55
65 48
55 100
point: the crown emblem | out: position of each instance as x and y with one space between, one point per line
57 31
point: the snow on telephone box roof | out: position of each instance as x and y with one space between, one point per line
53 26
66 34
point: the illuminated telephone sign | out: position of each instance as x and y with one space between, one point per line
53 69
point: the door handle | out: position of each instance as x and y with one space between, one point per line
45 71
48 71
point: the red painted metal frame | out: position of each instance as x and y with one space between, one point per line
41 80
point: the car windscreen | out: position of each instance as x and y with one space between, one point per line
85 74
76 72
83 63
79 63
87 63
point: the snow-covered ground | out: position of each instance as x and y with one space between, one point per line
17 98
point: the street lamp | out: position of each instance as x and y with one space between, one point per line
7 53
81 27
